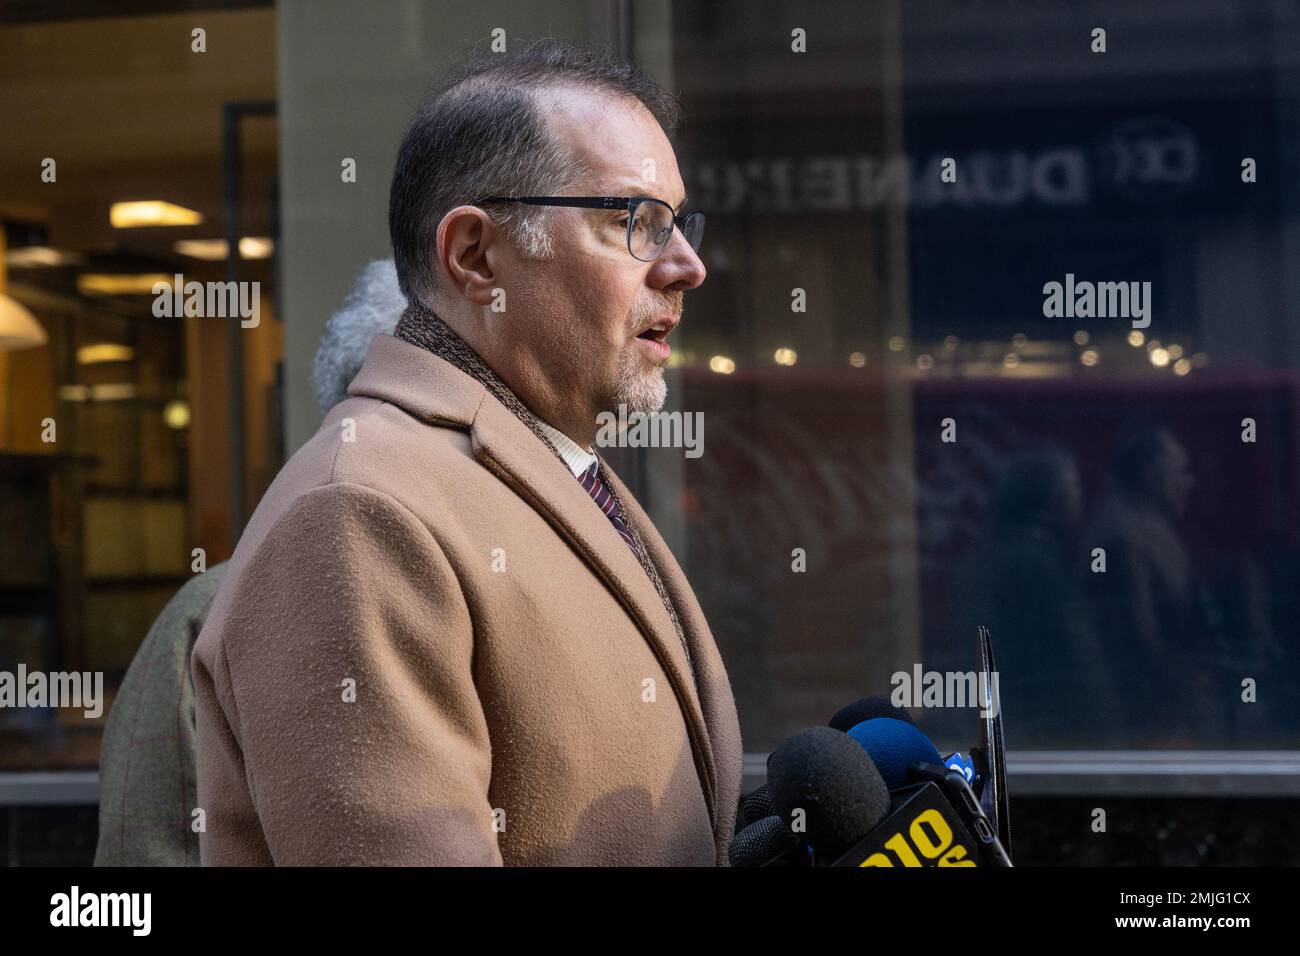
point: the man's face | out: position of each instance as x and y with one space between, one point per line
577 324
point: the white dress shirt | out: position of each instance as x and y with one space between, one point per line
577 459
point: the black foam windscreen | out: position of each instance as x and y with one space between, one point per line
828 775
760 842
868 708
756 806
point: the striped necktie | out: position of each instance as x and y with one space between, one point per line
605 501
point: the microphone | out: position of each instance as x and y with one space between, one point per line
767 842
865 709
893 747
935 820
757 806
869 708
832 780
914 807
984 770
849 816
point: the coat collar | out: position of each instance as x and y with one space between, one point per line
436 392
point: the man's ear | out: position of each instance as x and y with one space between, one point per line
465 237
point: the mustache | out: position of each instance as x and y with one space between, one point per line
669 303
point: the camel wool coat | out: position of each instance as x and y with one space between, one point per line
432 647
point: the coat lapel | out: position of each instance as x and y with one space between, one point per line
716 698
718 707
508 448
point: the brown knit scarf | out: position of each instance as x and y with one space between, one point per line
423 328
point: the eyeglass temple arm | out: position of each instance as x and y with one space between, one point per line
600 202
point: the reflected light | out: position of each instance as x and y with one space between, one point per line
26 257
111 392
256 247
91 283
104 352
214 250
151 212
176 414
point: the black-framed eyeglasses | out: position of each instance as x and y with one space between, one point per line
649 224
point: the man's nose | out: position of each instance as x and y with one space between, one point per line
678 267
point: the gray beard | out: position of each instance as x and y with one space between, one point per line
641 391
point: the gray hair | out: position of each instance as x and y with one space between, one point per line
480 132
372 307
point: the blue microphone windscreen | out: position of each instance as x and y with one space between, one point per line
894 745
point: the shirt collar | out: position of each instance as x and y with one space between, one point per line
577 459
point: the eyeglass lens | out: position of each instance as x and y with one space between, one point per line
652 228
